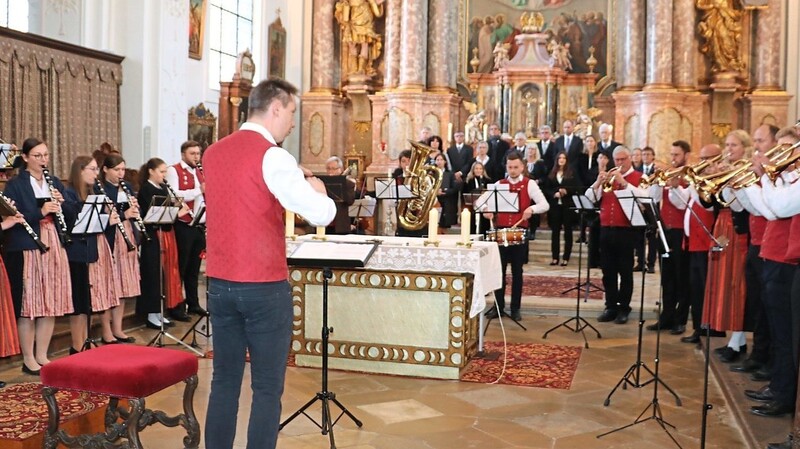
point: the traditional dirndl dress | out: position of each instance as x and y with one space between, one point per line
169 264
47 287
9 340
102 279
126 265
726 292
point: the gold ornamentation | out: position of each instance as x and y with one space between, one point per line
532 23
720 130
591 61
361 45
361 127
721 27
236 101
476 61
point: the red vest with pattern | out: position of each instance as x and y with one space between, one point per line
611 213
186 182
793 245
776 237
699 240
245 233
757 226
506 220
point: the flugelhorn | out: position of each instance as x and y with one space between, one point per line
608 183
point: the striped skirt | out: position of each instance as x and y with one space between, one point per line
726 292
47 287
102 278
169 264
126 266
9 341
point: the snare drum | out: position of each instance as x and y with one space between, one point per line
507 236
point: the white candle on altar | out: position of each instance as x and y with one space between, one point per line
485 132
433 224
450 132
389 173
289 223
465 218
320 231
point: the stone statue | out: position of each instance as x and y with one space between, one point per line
721 27
559 54
473 128
360 41
500 55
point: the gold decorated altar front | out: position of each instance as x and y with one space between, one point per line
413 310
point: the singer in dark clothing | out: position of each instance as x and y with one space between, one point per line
558 188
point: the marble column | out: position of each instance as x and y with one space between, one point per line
442 26
323 61
414 45
767 61
391 44
684 45
659 44
630 44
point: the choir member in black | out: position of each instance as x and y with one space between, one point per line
187 179
537 170
342 224
91 265
435 142
497 152
559 187
126 263
448 195
40 282
476 183
482 156
460 156
151 181
9 339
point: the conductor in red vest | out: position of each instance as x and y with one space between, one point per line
250 182
531 201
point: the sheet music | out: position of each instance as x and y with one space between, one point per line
161 215
333 252
388 189
630 208
364 207
199 209
90 219
582 202
500 199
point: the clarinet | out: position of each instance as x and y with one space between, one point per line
61 223
139 223
179 199
42 247
99 186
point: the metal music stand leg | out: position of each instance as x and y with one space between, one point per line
324 396
489 321
205 329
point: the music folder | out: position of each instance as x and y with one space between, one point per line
163 210
362 208
91 219
332 254
497 198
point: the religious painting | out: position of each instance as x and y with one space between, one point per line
197 25
202 126
579 25
277 49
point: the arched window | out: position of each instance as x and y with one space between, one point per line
14 17
231 31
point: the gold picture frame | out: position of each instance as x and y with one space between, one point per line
197 27
277 49
202 126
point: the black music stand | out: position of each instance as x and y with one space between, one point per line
494 200
164 210
391 189
361 208
199 219
642 213
583 206
90 221
328 255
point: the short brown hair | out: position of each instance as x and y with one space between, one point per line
268 91
683 145
189 144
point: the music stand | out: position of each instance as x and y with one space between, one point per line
90 221
390 189
199 219
328 255
498 199
362 208
164 211
583 206
642 212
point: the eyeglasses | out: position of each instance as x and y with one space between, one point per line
39 155
94 169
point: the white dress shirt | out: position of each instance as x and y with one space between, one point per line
782 197
540 204
174 182
286 181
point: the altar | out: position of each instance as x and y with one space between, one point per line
412 311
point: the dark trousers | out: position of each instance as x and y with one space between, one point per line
795 297
674 278
254 317
698 270
593 223
514 255
753 269
191 242
777 280
646 250
558 219
151 277
616 261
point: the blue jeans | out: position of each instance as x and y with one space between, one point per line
255 317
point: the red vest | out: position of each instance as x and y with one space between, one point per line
670 215
245 235
793 245
699 240
186 182
611 213
757 226
776 237
506 220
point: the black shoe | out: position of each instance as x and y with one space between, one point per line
732 355
637 268
73 351
565 262
721 350
657 326
150 325
125 340
763 394
2 384
27 370
492 313
761 375
785 444
109 342
715 333
771 409
197 310
651 270
516 316
168 323
179 315
694 338
607 315
554 262
677 330
622 317
747 366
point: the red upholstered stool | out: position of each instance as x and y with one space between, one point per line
122 371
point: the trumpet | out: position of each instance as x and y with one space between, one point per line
608 183
128 243
710 186
787 160
61 223
693 171
780 157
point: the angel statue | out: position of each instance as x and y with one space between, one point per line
363 45
584 121
473 128
501 55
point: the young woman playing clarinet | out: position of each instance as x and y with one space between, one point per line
40 282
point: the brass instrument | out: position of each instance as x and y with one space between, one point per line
424 182
11 152
711 185
138 222
128 243
774 170
608 183
7 203
692 172
61 223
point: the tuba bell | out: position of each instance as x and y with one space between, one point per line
423 180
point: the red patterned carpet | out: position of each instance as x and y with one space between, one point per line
552 286
23 412
529 365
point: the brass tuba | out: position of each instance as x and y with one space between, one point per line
424 181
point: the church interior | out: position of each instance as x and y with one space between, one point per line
374 78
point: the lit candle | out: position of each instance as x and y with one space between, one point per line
449 131
465 218
289 223
320 232
433 224
485 132
389 173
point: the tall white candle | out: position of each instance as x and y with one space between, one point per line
433 224
465 218
449 131
289 223
485 132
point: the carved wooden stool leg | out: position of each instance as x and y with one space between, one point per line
112 415
137 408
51 435
189 421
